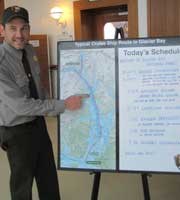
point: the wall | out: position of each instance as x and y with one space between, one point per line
78 185
42 23
142 18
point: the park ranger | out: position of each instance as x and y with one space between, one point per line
23 132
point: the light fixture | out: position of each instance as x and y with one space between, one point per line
57 13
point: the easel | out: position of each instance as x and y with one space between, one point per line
145 186
96 184
97 175
119 31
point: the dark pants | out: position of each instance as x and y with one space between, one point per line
30 156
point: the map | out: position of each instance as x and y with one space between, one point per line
88 136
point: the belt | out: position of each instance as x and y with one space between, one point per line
26 124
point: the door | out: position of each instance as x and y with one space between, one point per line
1 6
1 10
91 17
95 20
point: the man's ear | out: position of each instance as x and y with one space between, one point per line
1 30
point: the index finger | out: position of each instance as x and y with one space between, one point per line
83 95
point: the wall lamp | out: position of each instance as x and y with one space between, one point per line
57 13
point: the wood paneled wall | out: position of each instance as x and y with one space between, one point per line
163 18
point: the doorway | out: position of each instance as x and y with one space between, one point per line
92 18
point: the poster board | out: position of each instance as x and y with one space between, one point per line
131 121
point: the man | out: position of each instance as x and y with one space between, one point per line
23 133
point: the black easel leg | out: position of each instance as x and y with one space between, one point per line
145 187
95 191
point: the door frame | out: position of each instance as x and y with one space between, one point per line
79 6
1 6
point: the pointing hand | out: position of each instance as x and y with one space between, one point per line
74 102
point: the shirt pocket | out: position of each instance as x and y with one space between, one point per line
23 83
36 75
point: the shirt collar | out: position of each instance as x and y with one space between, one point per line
13 51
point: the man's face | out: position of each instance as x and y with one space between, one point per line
16 33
